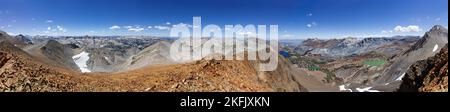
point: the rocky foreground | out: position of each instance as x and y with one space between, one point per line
429 75
20 72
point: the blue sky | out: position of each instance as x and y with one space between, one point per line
296 18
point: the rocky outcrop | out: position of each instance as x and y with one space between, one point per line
3 36
18 41
156 54
21 72
430 75
59 54
426 47
24 39
434 35
18 73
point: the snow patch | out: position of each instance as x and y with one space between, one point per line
435 48
81 60
401 77
367 89
342 88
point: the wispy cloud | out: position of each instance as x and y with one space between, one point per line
137 29
287 36
182 24
386 32
162 27
114 27
60 28
312 24
407 29
127 27
55 29
49 21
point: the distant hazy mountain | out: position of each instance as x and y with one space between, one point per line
334 48
19 41
156 54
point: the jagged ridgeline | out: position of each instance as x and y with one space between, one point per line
128 64
367 64
116 63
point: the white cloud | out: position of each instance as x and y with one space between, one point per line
57 29
407 29
60 28
309 14
312 24
128 27
167 23
137 29
287 36
162 27
438 19
149 27
49 21
114 27
182 24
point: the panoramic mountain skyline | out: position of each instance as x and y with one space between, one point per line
296 19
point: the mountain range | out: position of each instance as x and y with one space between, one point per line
90 63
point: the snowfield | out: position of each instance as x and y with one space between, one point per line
435 48
400 77
342 88
367 89
81 60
